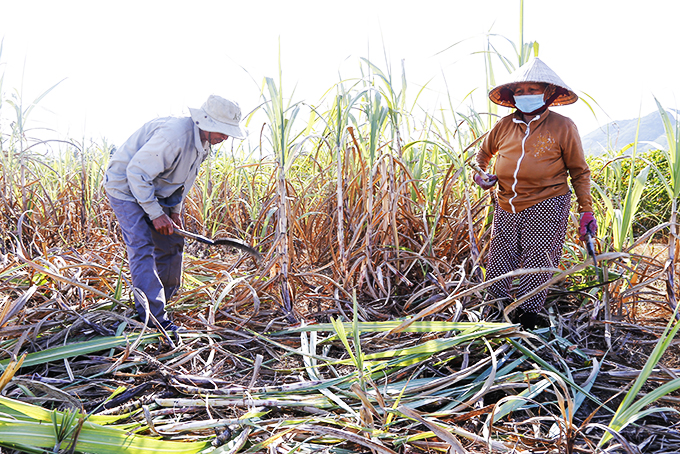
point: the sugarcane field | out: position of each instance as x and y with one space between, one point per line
350 275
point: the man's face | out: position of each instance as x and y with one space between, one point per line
213 138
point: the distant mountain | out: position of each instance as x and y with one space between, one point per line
619 133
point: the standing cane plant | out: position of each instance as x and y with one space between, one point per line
672 185
281 118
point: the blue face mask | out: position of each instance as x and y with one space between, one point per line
529 103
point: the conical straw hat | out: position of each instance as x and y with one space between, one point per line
533 71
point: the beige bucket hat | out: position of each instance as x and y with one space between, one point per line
219 115
533 71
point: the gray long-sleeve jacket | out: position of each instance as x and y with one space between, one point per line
162 158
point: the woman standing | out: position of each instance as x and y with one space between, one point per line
534 149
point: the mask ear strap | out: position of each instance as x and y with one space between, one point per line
559 91
551 99
506 95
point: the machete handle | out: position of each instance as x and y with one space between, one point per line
193 236
590 247
480 172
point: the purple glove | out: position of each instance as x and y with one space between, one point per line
588 225
488 184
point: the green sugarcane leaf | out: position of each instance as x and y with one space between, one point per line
342 334
25 422
79 348
92 438
23 411
513 403
628 408
435 345
414 327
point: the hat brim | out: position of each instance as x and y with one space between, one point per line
503 95
537 72
206 123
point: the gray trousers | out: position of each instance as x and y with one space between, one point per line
155 259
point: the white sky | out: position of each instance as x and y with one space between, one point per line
127 62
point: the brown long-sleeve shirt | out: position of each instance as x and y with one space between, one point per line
533 167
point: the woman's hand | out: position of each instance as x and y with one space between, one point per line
487 183
588 225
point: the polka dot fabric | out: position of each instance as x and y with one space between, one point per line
532 238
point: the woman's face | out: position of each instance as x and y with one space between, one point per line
528 88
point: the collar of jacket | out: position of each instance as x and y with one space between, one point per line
203 151
518 117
